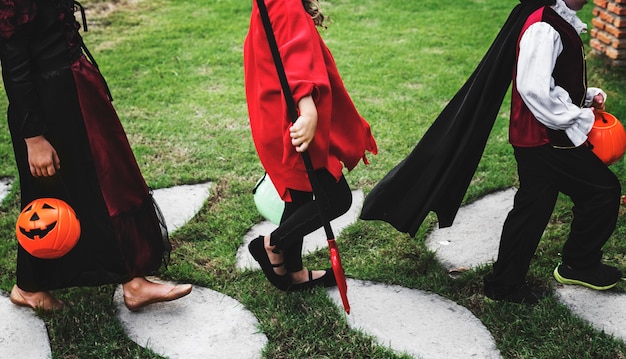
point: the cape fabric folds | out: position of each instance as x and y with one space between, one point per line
436 174
137 221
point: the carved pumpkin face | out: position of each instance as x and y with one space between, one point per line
607 137
47 228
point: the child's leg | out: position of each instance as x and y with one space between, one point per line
302 217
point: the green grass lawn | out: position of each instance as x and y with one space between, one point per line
175 72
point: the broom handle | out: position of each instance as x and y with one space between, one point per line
293 115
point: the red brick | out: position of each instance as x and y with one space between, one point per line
616 9
606 16
615 54
618 33
597 23
620 21
593 32
604 37
597 46
608 32
600 3
618 44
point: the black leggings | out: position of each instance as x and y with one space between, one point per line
301 216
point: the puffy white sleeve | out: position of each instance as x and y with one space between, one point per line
591 93
550 104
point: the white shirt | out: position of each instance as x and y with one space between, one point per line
551 105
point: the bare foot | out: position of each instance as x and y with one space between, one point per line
140 292
35 300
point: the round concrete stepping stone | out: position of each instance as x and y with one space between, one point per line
419 323
605 310
203 324
473 240
181 203
22 333
5 187
474 237
312 241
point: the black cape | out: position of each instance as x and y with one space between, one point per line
436 174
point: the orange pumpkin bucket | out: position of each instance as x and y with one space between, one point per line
607 137
47 228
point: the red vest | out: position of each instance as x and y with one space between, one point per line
569 73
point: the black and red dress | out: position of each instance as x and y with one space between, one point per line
56 91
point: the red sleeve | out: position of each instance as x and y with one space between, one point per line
306 62
296 36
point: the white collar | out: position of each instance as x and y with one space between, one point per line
570 16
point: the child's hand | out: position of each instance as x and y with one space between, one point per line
598 102
303 130
42 157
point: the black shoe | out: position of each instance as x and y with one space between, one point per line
600 277
522 295
257 249
326 280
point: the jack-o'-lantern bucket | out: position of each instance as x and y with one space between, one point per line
47 228
607 137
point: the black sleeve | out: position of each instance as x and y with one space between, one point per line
19 83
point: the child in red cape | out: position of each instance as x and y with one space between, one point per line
328 127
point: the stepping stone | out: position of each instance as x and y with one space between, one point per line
409 330
605 310
5 187
181 203
474 237
203 324
22 333
312 241
473 240
415 322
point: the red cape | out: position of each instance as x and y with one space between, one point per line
342 136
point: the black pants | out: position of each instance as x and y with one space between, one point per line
543 173
301 216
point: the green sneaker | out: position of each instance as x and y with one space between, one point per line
600 277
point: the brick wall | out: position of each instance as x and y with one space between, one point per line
608 35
